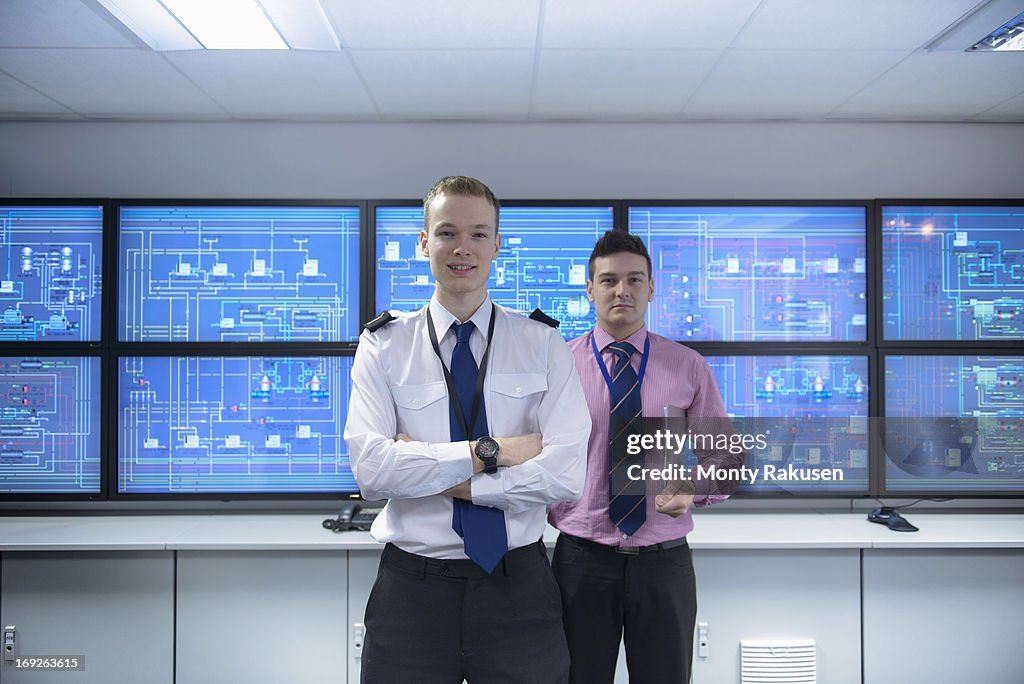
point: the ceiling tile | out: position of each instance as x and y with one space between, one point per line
939 86
631 85
434 24
448 84
16 98
56 23
860 25
1011 110
109 82
786 83
278 83
643 23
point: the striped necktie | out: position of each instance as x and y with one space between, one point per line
626 503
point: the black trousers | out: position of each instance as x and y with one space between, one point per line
441 621
648 600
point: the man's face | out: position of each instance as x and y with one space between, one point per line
461 241
620 291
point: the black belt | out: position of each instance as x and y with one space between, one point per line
627 550
521 559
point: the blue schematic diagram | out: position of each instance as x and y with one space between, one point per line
954 423
233 425
50 425
953 273
239 274
50 280
542 262
814 409
756 273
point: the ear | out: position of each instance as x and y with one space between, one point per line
497 243
650 295
590 289
423 244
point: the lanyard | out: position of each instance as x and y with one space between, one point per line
604 369
481 373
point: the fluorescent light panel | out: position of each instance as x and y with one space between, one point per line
196 24
227 24
1007 38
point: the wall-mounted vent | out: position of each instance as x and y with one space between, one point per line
778 661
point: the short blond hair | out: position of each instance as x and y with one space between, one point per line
464 186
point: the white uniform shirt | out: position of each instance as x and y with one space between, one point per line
398 387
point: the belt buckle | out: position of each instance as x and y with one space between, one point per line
628 550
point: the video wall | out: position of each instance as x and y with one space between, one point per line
194 350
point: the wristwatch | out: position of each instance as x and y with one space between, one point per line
487 451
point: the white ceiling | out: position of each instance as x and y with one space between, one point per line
530 60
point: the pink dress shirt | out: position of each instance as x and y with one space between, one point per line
675 376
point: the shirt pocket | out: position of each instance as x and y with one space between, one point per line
420 410
514 402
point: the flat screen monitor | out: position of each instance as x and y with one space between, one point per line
238 273
50 279
811 413
50 425
542 262
954 425
953 272
233 425
766 274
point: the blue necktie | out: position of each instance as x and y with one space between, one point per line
482 528
626 502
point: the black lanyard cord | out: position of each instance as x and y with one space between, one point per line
481 373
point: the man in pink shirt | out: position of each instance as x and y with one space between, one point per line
621 560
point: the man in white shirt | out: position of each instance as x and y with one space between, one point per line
470 420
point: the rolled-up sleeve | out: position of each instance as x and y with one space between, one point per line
384 468
557 473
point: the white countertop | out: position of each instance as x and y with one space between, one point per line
746 530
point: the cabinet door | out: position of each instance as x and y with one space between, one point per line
778 595
255 617
944 615
114 608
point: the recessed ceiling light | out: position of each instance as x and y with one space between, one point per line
1007 38
195 24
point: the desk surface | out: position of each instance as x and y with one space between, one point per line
747 530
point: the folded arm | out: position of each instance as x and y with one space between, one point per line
556 473
385 468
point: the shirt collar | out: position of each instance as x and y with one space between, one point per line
443 318
603 338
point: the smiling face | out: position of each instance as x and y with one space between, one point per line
621 289
461 240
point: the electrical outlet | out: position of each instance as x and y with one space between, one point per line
10 645
702 640
358 633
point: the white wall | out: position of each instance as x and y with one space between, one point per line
529 161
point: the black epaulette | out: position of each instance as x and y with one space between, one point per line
542 317
380 321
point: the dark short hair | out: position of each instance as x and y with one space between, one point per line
615 241
460 185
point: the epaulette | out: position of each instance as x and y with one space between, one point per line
542 317
380 321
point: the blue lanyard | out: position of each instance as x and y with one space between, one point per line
604 368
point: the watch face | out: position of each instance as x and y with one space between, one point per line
486 448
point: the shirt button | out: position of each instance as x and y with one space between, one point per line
625 536
415 402
519 390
